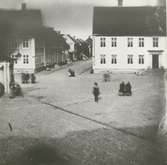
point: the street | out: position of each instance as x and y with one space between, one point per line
58 122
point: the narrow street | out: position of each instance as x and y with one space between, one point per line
57 120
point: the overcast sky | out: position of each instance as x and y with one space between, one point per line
70 16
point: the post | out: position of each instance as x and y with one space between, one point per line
44 52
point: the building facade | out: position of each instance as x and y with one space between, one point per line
32 47
71 42
22 51
129 53
32 54
128 40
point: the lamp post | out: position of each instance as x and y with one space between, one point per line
12 60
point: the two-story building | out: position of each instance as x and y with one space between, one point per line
30 43
129 38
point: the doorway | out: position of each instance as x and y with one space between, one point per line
155 61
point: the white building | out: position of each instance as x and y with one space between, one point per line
30 43
129 38
32 54
23 51
71 42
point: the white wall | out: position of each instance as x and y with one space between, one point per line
5 75
122 51
20 67
70 42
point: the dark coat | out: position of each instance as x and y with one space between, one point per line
96 90
122 87
128 88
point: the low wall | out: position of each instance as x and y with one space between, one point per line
5 75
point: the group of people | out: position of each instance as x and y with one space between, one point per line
26 76
125 89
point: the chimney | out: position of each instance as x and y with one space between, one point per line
23 6
120 3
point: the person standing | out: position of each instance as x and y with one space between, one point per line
129 89
122 89
96 92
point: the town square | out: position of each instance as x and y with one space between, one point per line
99 101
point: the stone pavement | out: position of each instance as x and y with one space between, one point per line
58 115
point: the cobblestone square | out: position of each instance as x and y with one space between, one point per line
58 115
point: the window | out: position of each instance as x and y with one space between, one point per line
130 42
14 58
25 59
102 42
113 42
130 59
141 42
103 59
155 42
25 44
114 59
141 59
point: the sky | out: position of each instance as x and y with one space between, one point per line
72 17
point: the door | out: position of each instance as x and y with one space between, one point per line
155 61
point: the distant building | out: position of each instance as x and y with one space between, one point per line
89 44
129 38
71 42
81 49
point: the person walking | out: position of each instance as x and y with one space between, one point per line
96 92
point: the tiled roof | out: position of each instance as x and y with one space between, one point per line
129 21
20 21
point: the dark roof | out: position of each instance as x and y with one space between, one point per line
72 38
52 38
129 21
20 22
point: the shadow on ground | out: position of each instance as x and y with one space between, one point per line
97 147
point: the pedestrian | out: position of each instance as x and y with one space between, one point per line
23 77
10 126
121 89
71 72
128 89
96 92
27 77
33 78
